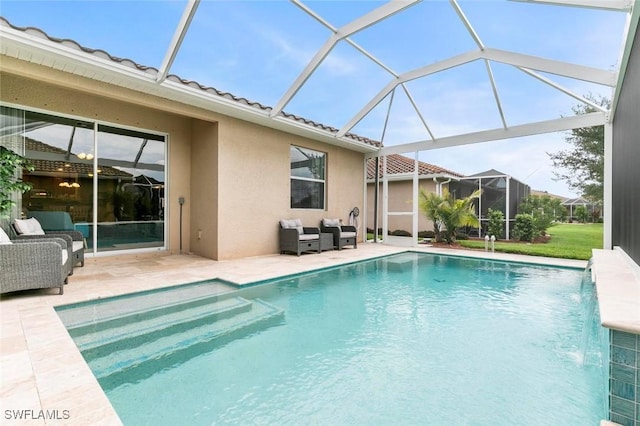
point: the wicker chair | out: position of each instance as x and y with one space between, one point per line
343 235
33 264
295 238
74 239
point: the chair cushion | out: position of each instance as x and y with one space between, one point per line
330 222
306 237
347 234
65 256
78 245
53 221
29 226
4 238
292 224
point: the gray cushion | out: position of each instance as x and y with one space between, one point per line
292 224
347 234
4 238
29 226
330 222
305 237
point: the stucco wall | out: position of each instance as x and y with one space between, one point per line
400 200
204 190
254 186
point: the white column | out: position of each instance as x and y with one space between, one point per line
506 209
363 234
608 187
416 184
385 199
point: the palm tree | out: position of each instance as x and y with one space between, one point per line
447 213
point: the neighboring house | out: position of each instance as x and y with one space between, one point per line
400 170
593 209
221 170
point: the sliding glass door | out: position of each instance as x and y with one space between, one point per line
104 181
130 189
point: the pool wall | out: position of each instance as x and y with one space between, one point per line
624 372
617 280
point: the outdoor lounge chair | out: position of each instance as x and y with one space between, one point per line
343 235
33 263
32 228
295 238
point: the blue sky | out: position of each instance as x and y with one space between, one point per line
256 49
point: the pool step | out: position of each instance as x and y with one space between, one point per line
133 330
132 308
136 356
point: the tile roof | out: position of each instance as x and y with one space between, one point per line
59 166
33 31
397 164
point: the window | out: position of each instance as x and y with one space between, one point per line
307 178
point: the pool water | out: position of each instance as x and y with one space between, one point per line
407 339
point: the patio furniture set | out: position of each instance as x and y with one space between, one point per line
296 238
37 255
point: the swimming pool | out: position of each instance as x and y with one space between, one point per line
408 339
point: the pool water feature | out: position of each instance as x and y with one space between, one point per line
408 339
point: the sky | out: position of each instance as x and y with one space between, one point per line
256 50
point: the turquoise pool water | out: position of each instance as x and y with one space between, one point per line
408 339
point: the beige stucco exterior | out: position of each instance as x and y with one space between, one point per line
234 175
400 200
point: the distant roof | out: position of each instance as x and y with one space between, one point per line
490 172
547 193
399 164
577 202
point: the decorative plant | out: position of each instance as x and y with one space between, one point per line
10 183
447 213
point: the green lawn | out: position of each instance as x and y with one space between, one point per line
570 241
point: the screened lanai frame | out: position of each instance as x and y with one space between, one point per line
37 49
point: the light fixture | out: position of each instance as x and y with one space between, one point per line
84 156
64 184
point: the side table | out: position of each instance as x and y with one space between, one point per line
326 241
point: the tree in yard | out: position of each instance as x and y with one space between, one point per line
582 166
447 213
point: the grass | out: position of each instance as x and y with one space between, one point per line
569 241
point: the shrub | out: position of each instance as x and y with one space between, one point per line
461 236
524 228
426 234
581 214
495 224
400 233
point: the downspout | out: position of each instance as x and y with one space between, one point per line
439 185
